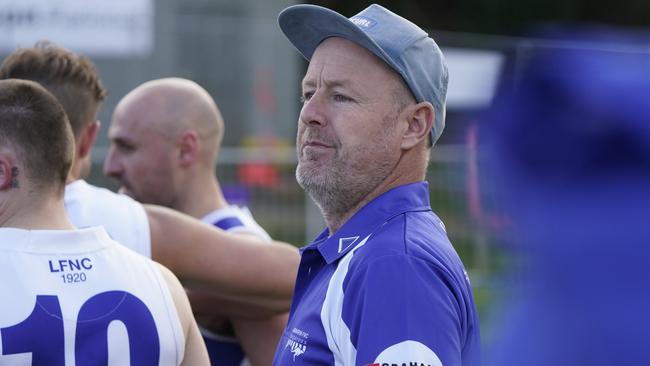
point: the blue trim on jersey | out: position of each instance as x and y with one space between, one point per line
387 283
225 352
228 223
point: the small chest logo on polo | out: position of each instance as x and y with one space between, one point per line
297 342
296 348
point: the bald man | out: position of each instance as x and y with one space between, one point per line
165 138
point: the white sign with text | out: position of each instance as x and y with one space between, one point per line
90 27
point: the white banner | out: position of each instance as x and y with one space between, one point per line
473 76
91 27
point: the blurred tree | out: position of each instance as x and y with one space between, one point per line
505 17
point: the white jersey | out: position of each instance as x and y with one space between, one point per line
79 298
225 350
123 218
236 220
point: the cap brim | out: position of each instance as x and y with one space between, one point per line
306 26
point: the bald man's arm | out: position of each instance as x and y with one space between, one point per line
231 266
260 337
195 353
206 306
257 330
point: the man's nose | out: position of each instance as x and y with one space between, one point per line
313 112
112 166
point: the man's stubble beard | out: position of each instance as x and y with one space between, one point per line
344 182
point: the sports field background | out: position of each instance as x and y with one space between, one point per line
236 51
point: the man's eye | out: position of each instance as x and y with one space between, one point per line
126 148
342 98
306 96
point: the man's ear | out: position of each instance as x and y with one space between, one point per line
189 146
420 120
87 139
6 172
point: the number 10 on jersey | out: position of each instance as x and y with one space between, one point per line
42 332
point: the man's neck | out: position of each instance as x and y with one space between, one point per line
403 174
47 214
334 222
204 196
77 171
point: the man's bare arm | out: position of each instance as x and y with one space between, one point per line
195 353
257 330
206 305
259 337
231 266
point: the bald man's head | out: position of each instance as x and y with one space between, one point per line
160 131
171 106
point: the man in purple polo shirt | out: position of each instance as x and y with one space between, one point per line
382 285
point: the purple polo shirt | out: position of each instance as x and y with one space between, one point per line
386 289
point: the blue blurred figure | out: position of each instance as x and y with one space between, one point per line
569 143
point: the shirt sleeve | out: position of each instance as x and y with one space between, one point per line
402 310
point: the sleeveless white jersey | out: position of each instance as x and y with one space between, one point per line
236 220
123 217
79 298
225 350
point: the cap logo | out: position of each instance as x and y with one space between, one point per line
363 22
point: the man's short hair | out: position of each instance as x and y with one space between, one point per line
73 79
34 124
